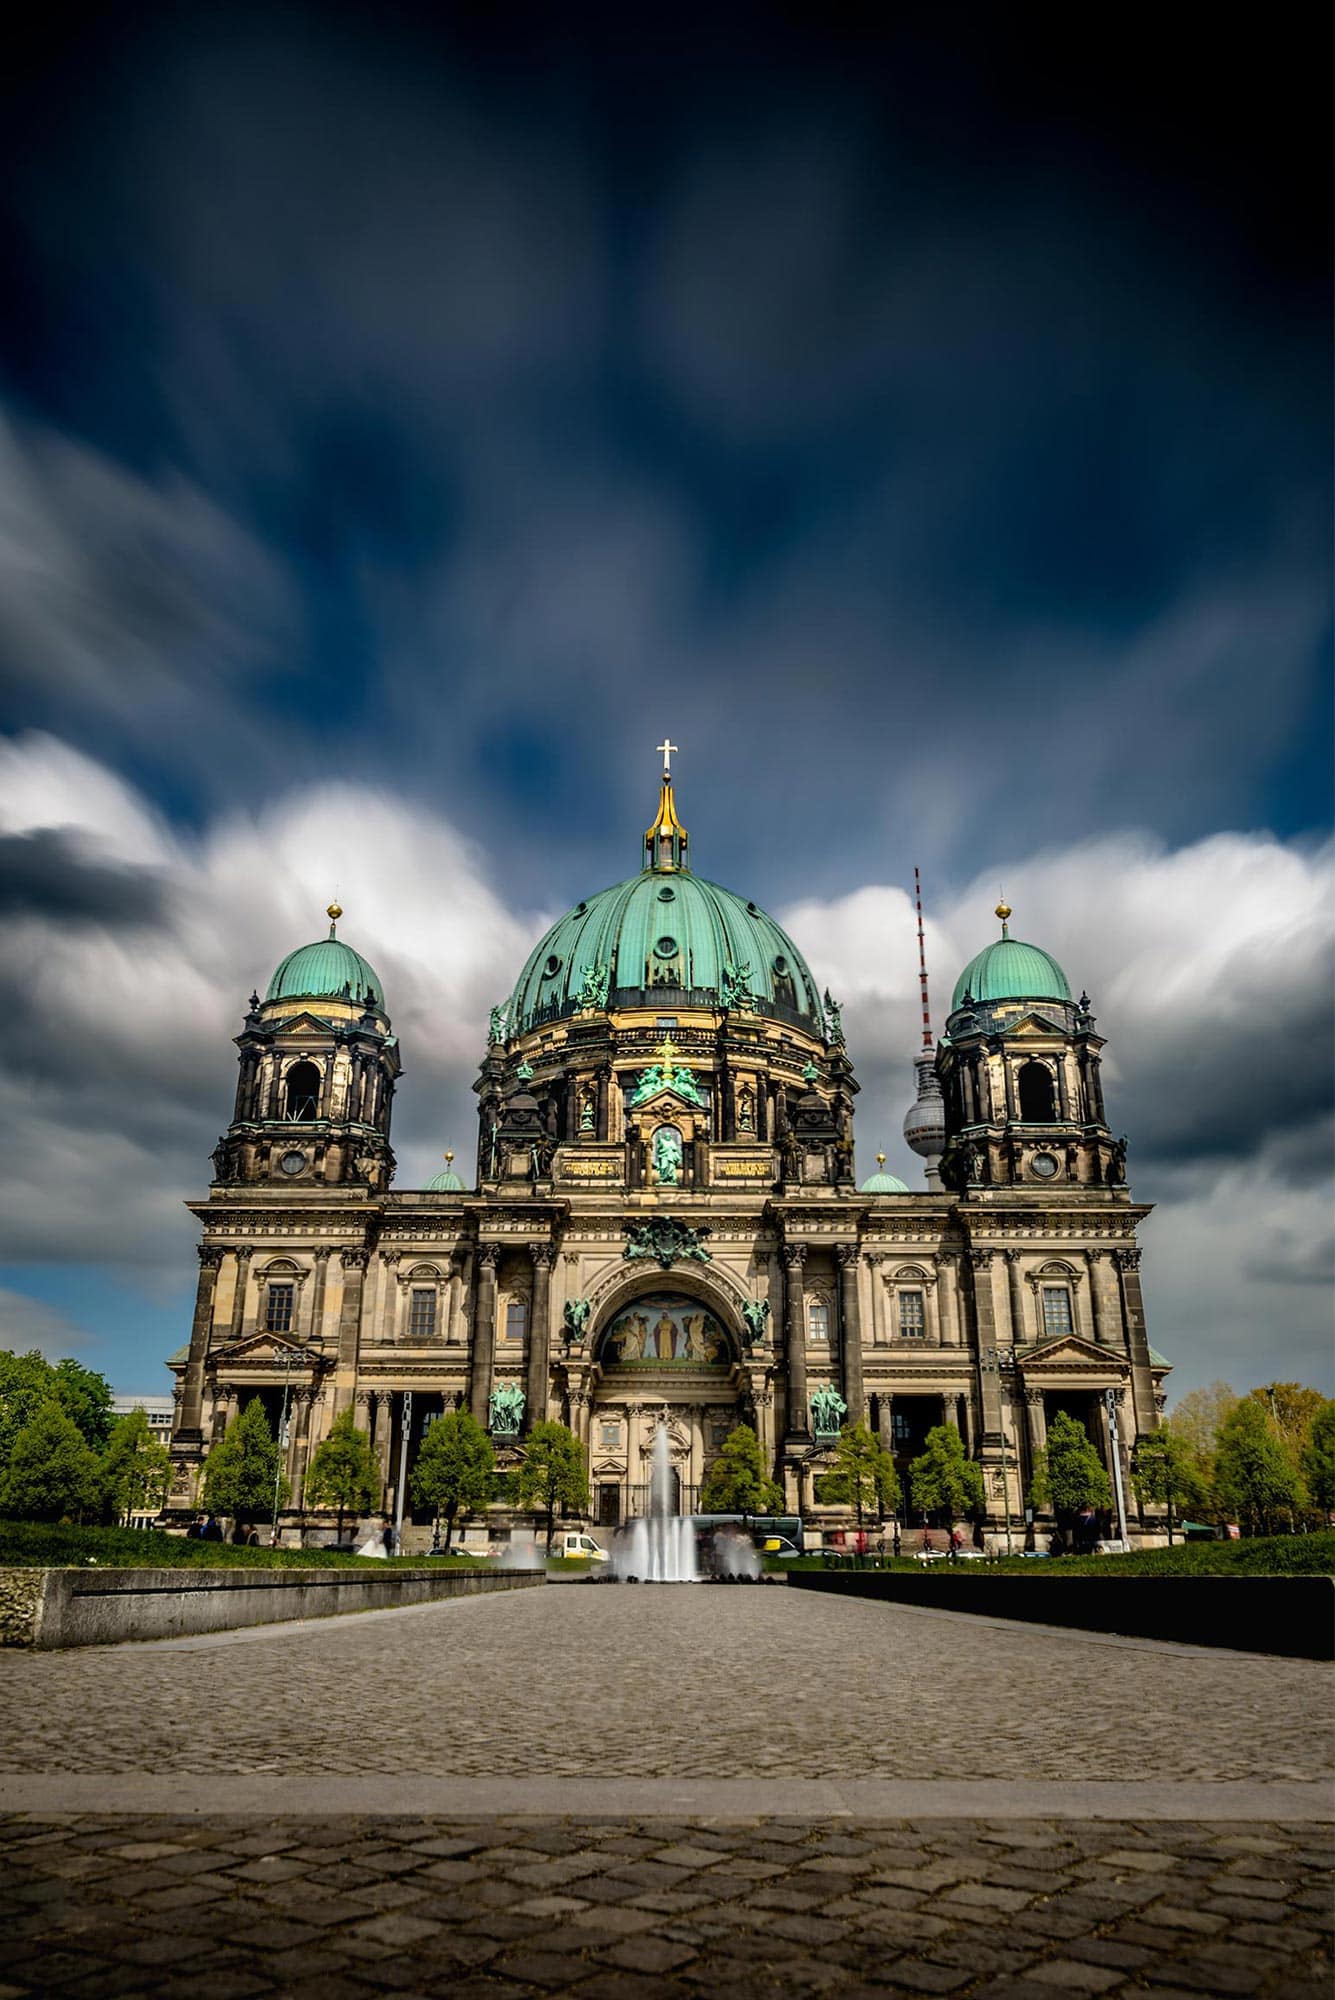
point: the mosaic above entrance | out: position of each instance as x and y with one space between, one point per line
665 1328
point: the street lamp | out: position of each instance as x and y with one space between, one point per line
293 1354
403 1468
998 1361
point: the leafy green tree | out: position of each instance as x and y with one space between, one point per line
943 1480
456 1468
552 1474
135 1469
1068 1472
343 1471
1166 1471
1196 1419
1319 1458
51 1472
1256 1473
26 1383
1293 1407
737 1482
85 1397
864 1475
240 1471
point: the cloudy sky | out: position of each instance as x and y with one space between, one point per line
408 415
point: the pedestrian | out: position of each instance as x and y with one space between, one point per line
211 1530
195 1532
388 1536
896 1536
1057 1543
956 1542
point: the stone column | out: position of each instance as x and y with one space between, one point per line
764 1402
950 1410
539 1335
243 1257
600 1115
985 1342
850 1329
1008 1075
1144 1415
885 1420
298 1459
388 1327
1015 1292
946 1263
1098 1305
1037 1423
795 1318
350 1322
318 1291
192 1405
484 1332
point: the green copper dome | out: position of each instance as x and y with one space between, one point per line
447 1181
327 970
664 935
1008 969
881 1182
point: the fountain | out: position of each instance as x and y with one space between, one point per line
661 1548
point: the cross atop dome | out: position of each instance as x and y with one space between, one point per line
665 841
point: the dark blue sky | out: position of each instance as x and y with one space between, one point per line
924 416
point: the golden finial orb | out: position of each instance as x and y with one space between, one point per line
1003 910
449 1159
334 911
880 1159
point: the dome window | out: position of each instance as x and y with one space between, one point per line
667 894
552 967
301 1091
666 947
751 910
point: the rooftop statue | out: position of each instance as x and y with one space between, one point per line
667 1074
735 986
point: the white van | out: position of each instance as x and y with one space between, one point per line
581 1547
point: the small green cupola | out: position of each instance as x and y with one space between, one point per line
447 1182
1009 969
881 1182
328 969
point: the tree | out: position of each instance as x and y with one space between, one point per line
1068 1472
1292 1408
455 1469
86 1398
737 1482
135 1470
1165 1470
1319 1458
943 1480
1256 1473
552 1474
864 1473
51 1472
1197 1418
344 1473
241 1470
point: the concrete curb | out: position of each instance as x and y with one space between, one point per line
395 1795
105 1607
1293 1616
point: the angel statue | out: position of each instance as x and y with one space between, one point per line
834 1019
576 1323
496 1025
756 1314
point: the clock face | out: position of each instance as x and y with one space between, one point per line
1044 1165
293 1163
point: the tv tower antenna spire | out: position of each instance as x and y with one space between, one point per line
927 1040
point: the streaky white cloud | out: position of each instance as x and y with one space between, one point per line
27 1323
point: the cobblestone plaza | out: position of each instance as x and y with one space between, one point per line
653 1792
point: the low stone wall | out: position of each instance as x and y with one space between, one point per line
102 1607
1292 1615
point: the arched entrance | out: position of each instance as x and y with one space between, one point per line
663 1354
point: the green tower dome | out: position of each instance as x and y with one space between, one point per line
667 935
881 1182
327 970
1009 969
447 1181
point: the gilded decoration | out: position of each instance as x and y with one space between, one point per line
664 1329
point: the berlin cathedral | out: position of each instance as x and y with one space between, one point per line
663 1223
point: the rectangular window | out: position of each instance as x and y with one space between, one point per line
665 1021
900 1432
1056 1311
609 1435
912 1318
516 1317
818 1320
422 1313
278 1309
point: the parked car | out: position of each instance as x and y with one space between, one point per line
579 1548
779 1547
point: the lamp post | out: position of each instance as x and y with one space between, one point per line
403 1468
298 1354
998 1362
1110 1405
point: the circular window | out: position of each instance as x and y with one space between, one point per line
666 947
666 895
1044 1165
293 1163
580 908
552 967
781 963
751 910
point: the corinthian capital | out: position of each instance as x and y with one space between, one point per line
794 1255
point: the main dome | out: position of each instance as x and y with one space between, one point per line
664 937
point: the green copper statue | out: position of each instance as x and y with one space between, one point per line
505 1411
828 1410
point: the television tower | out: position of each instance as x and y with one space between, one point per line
925 1121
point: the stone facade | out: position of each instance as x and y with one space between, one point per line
666 1225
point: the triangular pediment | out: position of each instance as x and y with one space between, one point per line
260 1349
1032 1027
607 1469
303 1024
1071 1352
664 1098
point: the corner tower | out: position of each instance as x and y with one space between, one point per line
318 1067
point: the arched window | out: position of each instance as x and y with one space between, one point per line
1036 1103
301 1090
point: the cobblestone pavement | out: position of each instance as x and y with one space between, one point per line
678 1683
608 1910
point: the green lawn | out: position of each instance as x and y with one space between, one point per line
1275 1555
36 1545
